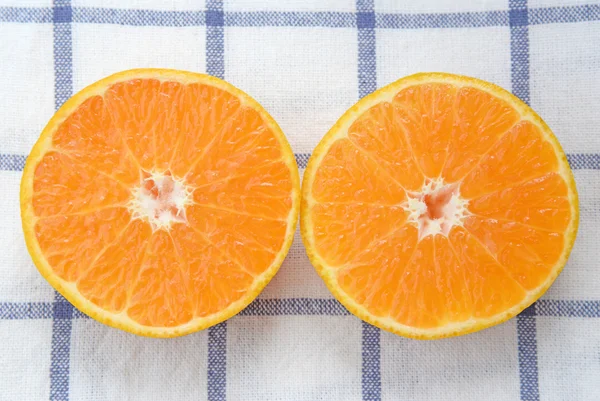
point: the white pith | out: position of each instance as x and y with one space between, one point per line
453 212
157 211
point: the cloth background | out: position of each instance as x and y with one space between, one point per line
306 61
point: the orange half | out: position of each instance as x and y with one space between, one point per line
437 206
160 202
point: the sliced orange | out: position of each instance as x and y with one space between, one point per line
438 206
160 202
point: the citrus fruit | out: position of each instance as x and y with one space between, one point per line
437 206
160 202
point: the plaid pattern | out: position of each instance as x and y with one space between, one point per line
306 61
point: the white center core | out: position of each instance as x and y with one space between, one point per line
436 208
160 200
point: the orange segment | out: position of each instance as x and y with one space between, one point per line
481 118
356 177
541 202
109 278
446 210
492 288
376 132
171 106
133 106
89 136
159 296
526 253
420 302
243 188
342 231
246 191
378 270
160 202
64 186
518 156
199 132
250 241
432 289
249 143
66 240
429 133
215 280
451 278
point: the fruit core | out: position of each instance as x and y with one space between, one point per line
436 208
160 199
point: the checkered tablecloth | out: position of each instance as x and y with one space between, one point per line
306 61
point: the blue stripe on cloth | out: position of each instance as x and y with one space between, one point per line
25 15
217 335
138 17
63 58
217 362
61 349
25 310
63 310
544 15
442 20
367 83
367 51
304 307
526 324
583 161
77 314
578 161
564 308
300 19
367 74
294 307
527 345
12 162
215 39
302 159
519 49
371 363
550 15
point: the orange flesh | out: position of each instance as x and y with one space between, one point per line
512 234
230 232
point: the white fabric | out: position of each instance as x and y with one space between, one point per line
306 77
